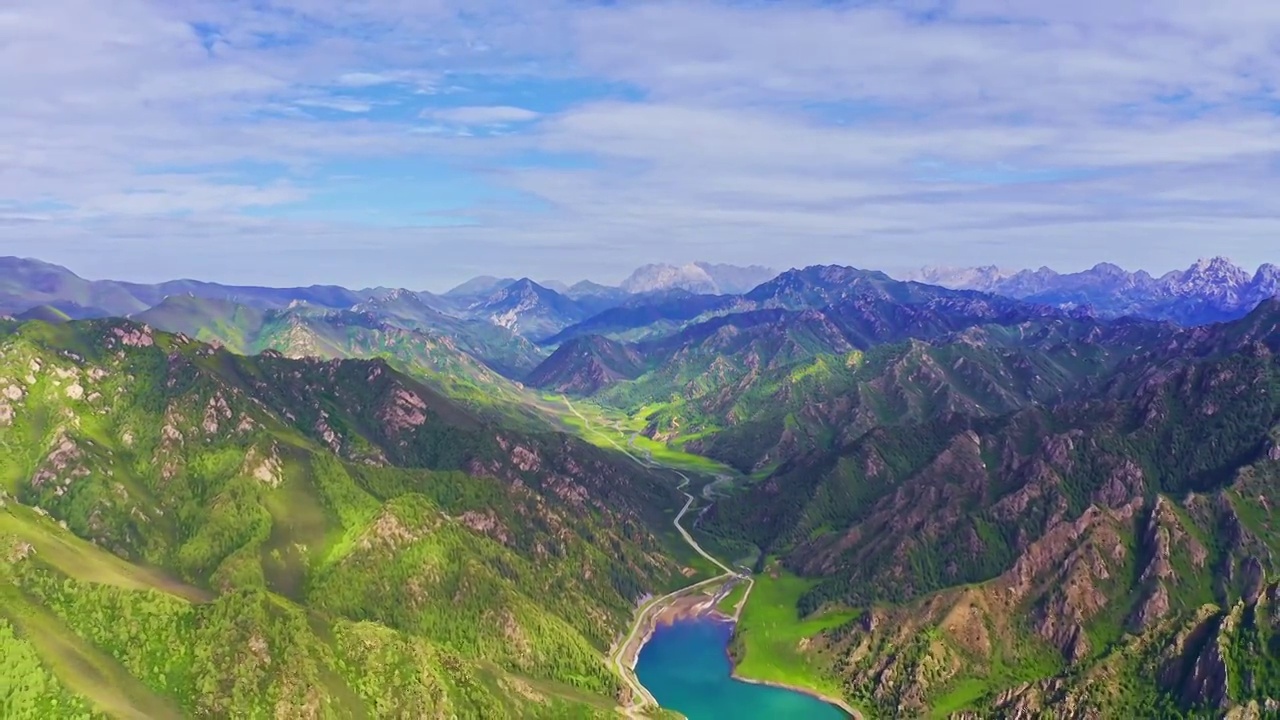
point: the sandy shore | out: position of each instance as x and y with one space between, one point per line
683 607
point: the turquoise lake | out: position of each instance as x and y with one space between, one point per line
686 667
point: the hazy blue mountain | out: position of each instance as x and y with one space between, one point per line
1211 290
529 309
479 286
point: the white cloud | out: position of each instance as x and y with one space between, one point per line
364 79
342 104
780 133
482 115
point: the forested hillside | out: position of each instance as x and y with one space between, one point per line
185 531
468 361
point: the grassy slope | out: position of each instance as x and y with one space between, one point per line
729 603
768 641
613 429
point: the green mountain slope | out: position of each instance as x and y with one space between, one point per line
1061 553
754 389
585 365
456 357
191 532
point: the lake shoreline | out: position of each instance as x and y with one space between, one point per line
678 611
680 607
844 706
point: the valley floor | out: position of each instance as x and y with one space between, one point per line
720 594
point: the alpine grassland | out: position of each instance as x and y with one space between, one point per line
771 635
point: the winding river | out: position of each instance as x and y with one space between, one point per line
686 667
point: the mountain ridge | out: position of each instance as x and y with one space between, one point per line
1210 290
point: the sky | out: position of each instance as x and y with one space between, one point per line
420 142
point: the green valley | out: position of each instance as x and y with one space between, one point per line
950 505
971 525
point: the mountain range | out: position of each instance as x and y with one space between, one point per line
1211 290
989 494
1082 556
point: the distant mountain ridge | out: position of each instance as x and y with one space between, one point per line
466 360
1211 290
532 309
26 283
529 309
815 287
797 315
698 277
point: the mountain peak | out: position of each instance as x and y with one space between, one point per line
1217 262
524 287
698 277
1212 276
1106 268
479 286
661 276
527 308
1266 281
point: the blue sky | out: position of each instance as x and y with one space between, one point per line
416 143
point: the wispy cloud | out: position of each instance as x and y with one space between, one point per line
364 79
872 133
482 115
347 105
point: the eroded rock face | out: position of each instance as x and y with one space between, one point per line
1033 701
61 465
134 337
216 410
1207 681
264 466
1153 608
485 523
1253 576
406 410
